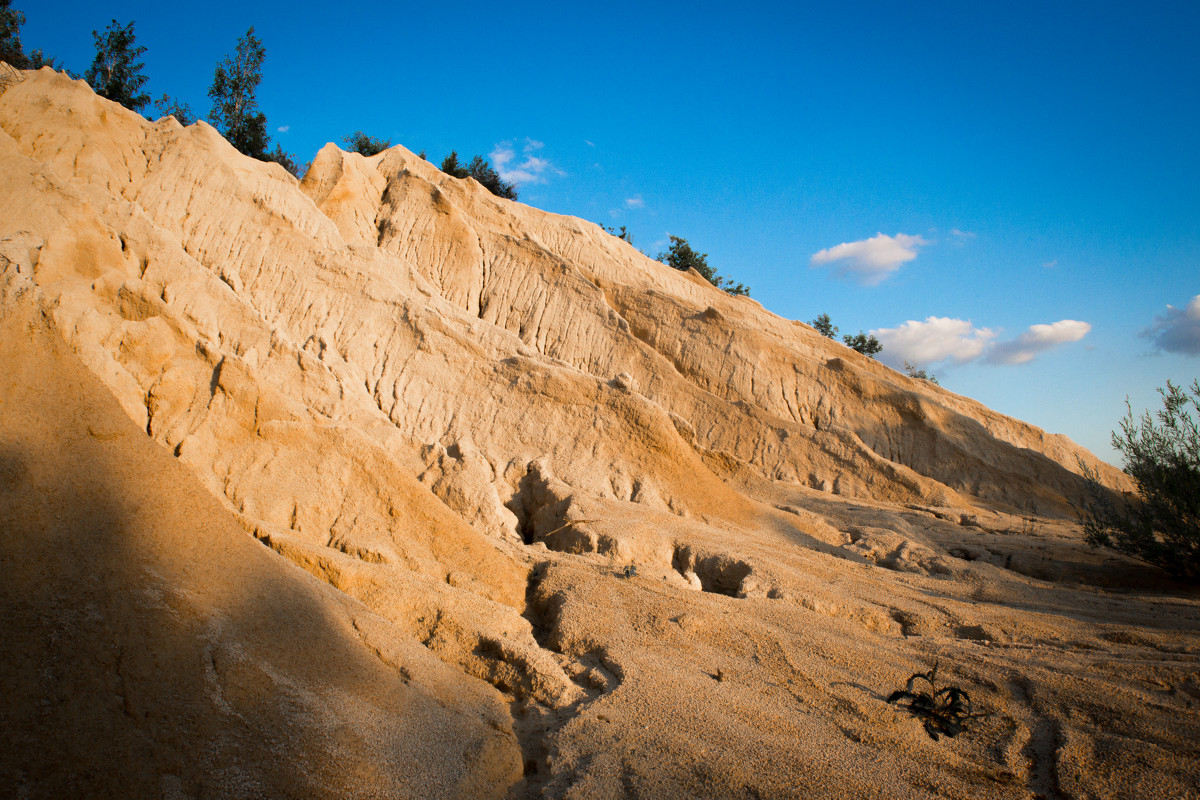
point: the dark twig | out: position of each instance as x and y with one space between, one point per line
944 711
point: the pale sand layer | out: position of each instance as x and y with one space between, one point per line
455 421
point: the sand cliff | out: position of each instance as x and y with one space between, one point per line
453 423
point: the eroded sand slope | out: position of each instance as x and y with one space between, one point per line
455 422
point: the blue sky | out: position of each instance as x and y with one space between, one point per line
1007 194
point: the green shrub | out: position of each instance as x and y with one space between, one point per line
1161 525
482 171
622 234
862 343
867 345
920 374
359 142
168 106
824 326
287 161
682 257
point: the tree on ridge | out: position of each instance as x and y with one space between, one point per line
235 108
824 326
482 171
682 257
359 142
866 344
11 21
115 73
11 50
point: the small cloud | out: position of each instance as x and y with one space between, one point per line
284 128
1051 264
940 339
635 202
1178 330
870 261
961 234
1037 339
525 168
589 142
935 339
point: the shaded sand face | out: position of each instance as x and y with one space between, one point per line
376 485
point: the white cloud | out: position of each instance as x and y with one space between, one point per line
284 128
589 143
525 168
940 339
1051 264
870 261
1178 330
962 234
935 339
635 202
1037 339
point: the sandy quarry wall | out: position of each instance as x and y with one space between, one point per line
516 481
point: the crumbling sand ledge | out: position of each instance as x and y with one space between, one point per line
454 421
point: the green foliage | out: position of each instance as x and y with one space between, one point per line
1161 525
451 167
920 374
867 345
825 326
167 106
622 234
287 161
116 73
682 257
359 142
235 109
482 171
37 59
11 50
11 21
943 711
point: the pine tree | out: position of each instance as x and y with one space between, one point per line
450 165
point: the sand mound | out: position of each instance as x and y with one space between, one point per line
535 515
